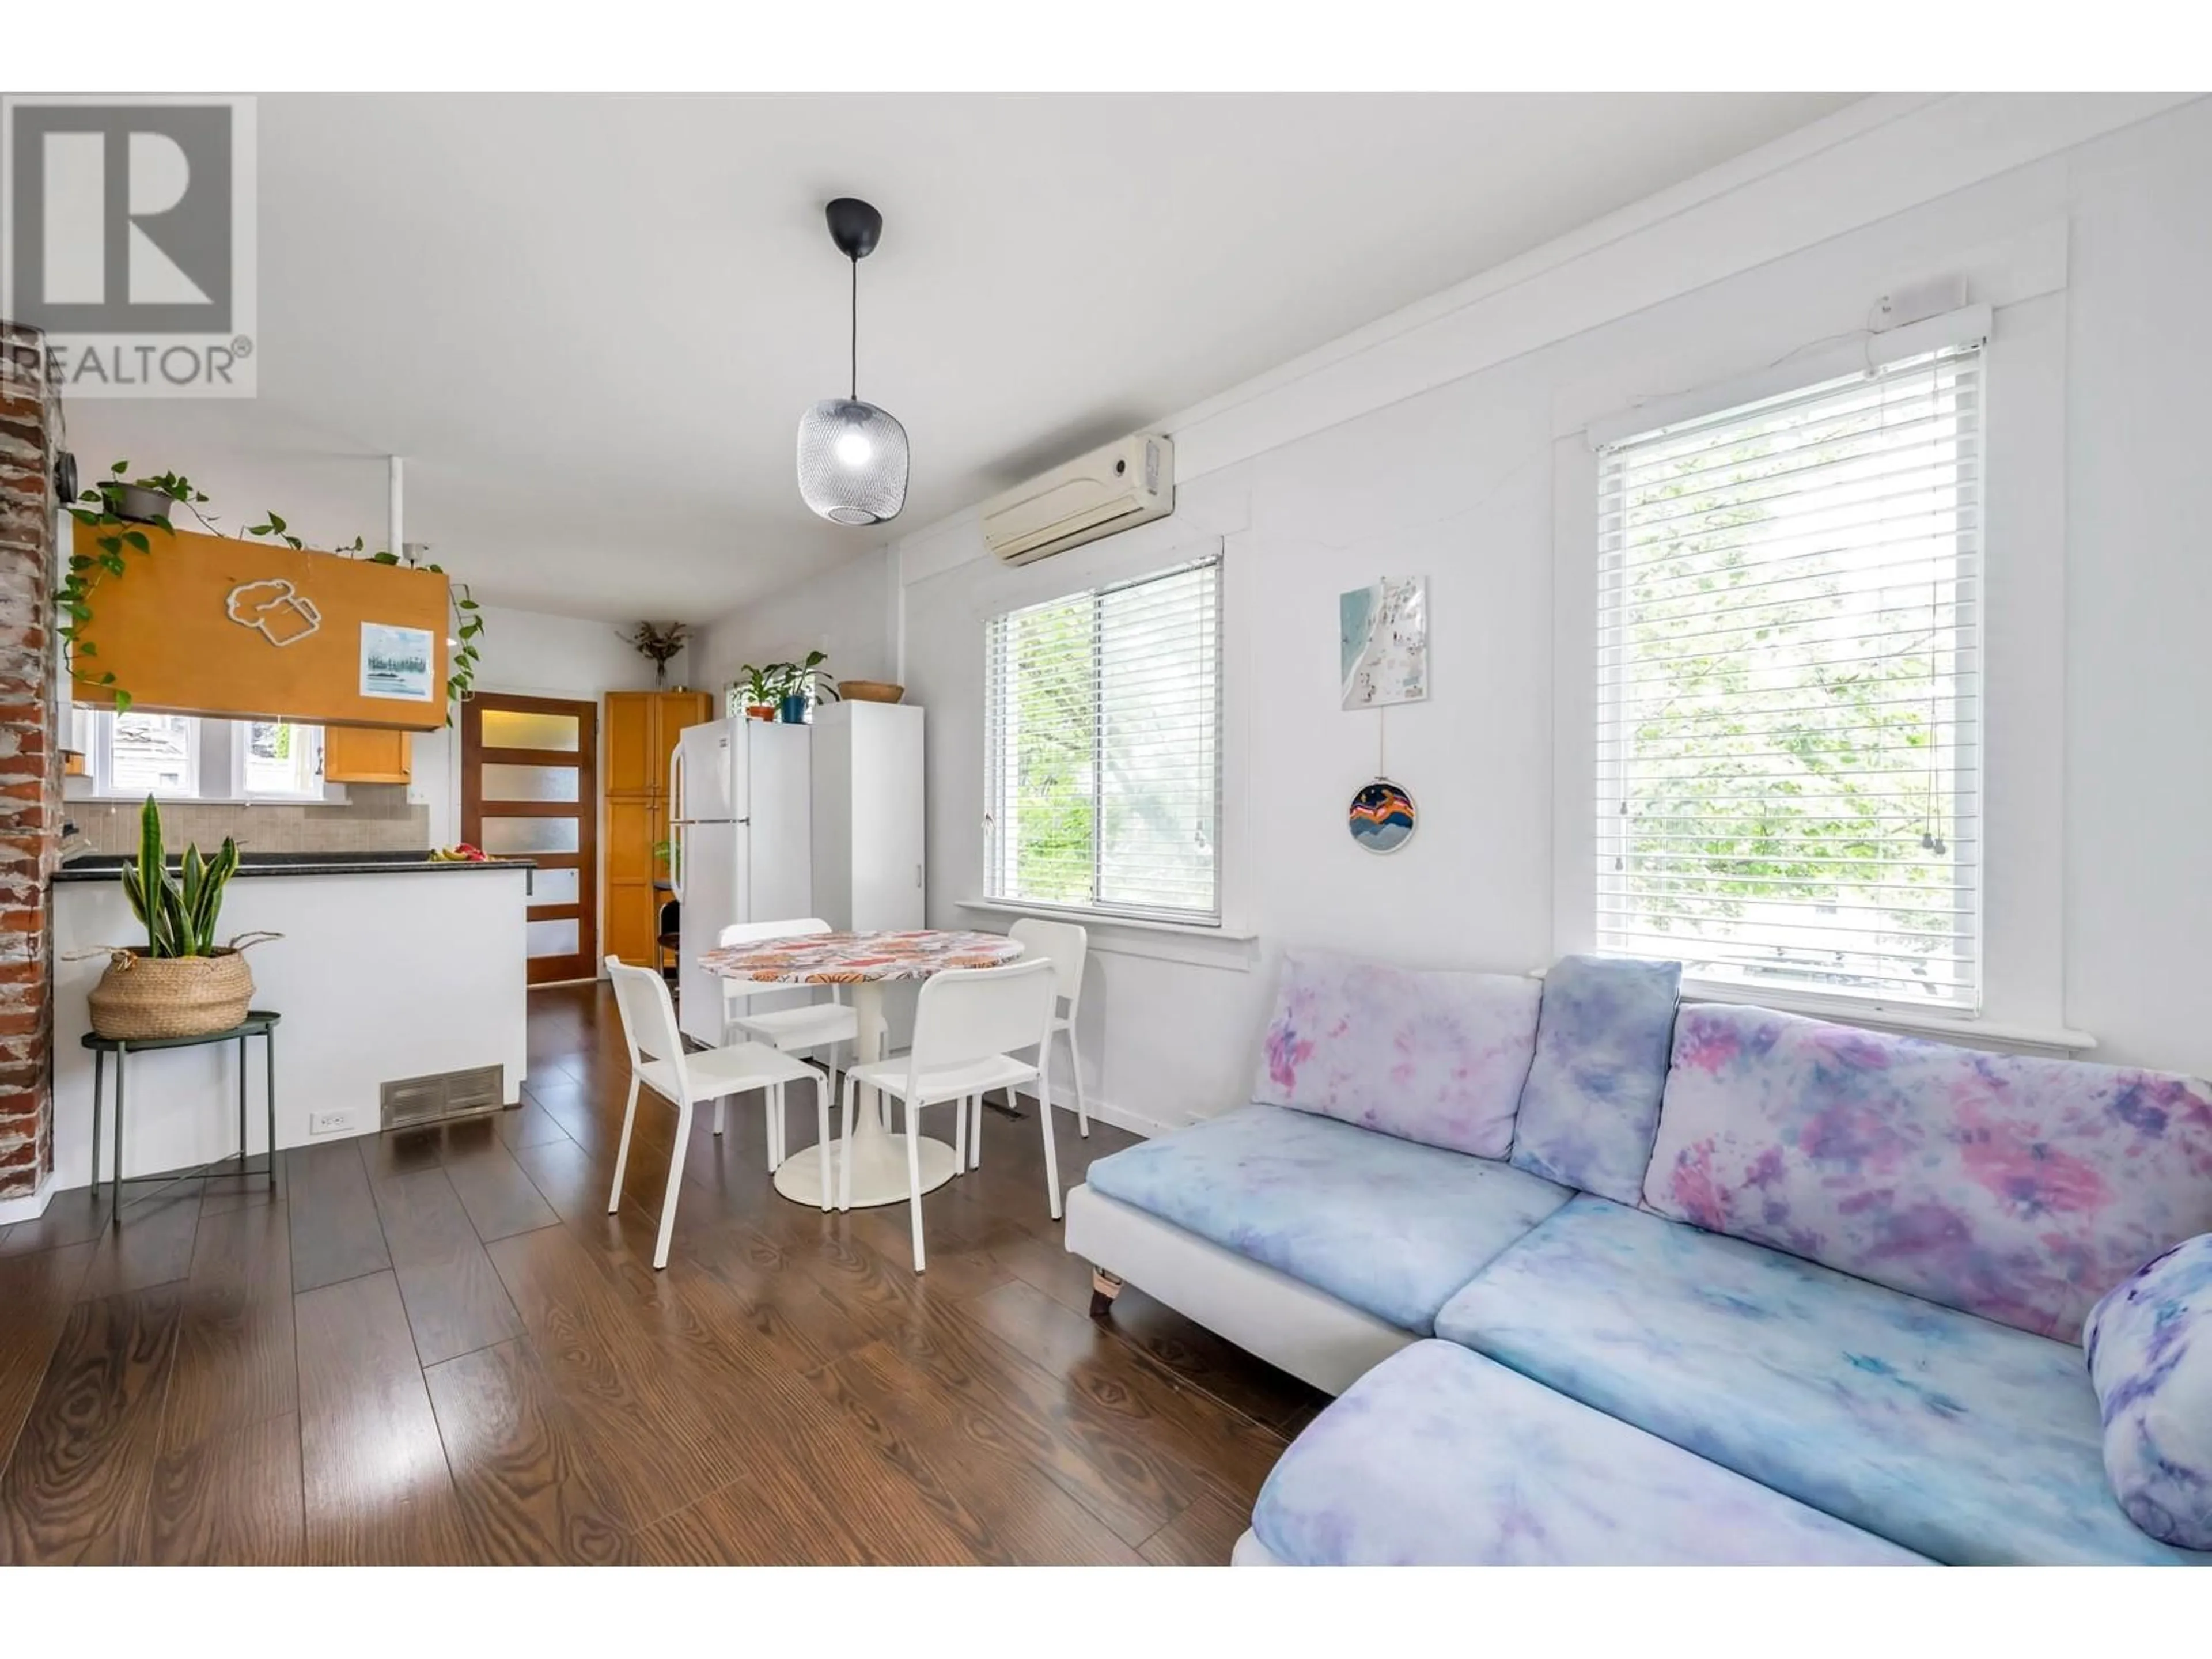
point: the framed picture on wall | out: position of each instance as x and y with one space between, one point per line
1383 638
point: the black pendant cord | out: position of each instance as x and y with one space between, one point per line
855 393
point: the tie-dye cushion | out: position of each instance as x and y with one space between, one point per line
1974 1443
2150 1360
2018 1189
1438 1457
1591 1107
1390 1227
1435 1056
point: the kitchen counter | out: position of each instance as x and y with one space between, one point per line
381 979
108 866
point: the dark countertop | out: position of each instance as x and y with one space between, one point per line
108 866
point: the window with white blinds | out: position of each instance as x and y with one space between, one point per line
1789 678
1104 733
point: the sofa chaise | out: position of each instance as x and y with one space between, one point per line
1598 1278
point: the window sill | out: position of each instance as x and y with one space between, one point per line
1232 948
1108 919
336 798
1958 1027
1893 1017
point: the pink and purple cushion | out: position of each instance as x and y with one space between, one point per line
2017 1188
2150 1361
1435 1056
1591 1104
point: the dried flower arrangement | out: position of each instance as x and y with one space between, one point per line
660 643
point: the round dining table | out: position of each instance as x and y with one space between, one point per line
867 963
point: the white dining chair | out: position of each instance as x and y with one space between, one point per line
1067 943
967 1023
657 1060
810 1027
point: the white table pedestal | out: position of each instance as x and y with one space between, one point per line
879 1173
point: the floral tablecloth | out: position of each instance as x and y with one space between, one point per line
857 958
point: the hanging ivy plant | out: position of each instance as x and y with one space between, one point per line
469 618
117 538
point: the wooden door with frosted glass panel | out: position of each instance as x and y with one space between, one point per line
530 789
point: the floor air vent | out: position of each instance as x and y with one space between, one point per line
409 1101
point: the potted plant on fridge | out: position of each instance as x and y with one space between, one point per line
805 684
761 688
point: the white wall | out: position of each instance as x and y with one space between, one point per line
533 654
2139 596
1448 440
848 610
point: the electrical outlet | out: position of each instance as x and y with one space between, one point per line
329 1123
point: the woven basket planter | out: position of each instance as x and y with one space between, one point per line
141 997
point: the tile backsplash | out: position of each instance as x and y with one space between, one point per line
376 817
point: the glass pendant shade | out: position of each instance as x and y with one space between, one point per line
852 461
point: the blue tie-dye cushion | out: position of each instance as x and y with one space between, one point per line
2150 1361
1439 1457
1591 1107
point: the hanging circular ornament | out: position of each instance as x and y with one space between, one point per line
1383 817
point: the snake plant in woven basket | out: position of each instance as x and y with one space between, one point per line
180 911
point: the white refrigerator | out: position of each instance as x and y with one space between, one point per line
739 825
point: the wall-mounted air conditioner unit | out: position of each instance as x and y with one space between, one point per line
1104 492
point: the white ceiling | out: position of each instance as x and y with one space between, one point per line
591 323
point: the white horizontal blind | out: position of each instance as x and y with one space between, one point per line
1104 733
1789 682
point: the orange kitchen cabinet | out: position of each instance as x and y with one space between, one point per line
641 731
642 728
366 754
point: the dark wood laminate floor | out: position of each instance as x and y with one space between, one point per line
437 1347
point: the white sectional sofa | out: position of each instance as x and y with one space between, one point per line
1600 1280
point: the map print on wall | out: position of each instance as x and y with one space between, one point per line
1383 636
395 662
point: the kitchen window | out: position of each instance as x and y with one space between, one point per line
1789 739
277 760
184 757
1103 718
137 755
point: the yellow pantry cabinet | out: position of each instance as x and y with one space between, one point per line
641 729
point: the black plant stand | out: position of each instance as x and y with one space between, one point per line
258 1023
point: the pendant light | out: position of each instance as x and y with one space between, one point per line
852 455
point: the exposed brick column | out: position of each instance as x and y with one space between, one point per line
30 760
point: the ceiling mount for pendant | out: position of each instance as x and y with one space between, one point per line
853 456
854 226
